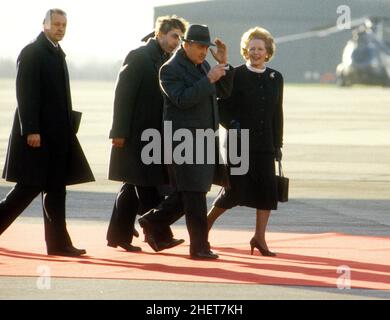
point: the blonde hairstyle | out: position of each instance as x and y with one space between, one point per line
261 34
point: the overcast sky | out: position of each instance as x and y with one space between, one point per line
97 29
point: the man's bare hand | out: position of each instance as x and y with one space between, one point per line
216 73
118 142
221 54
34 140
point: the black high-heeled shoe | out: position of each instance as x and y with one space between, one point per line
264 252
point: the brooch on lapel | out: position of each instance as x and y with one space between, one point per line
272 75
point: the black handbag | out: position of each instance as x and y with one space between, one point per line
282 185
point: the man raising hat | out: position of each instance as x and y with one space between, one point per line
190 90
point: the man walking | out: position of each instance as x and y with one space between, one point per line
138 106
190 89
44 154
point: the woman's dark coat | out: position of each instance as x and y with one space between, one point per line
259 109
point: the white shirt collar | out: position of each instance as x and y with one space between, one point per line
257 70
54 45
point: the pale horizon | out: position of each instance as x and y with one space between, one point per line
97 31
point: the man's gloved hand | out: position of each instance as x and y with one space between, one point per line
278 154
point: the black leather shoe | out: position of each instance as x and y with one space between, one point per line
127 246
68 251
169 244
205 254
149 238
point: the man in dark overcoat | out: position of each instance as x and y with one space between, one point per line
44 154
190 90
138 106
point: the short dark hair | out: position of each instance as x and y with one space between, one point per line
50 13
165 24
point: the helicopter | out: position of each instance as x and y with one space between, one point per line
365 58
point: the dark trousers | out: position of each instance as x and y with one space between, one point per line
130 201
194 206
53 204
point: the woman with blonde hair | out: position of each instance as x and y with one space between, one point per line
256 104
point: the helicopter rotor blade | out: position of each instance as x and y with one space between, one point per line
319 32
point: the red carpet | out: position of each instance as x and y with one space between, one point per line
303 259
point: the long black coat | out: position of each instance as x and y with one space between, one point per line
190 102
45 108
138 105
256 103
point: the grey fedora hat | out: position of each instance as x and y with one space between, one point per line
198 33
